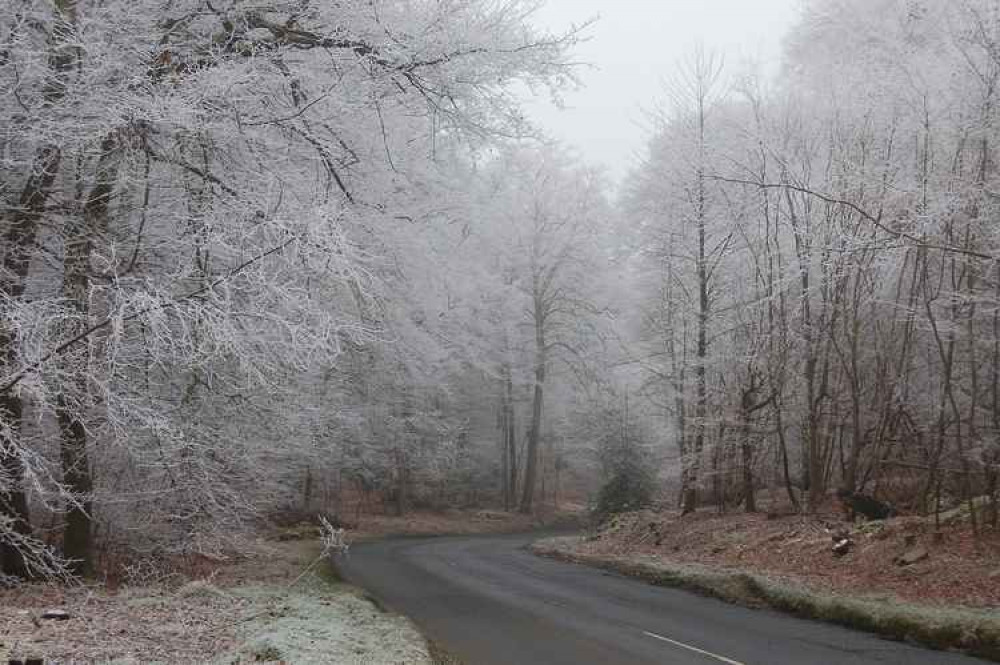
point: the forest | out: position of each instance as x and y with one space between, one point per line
313 256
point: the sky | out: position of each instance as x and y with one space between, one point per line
633 47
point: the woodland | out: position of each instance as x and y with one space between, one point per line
312 256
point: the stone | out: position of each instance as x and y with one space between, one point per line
842 546
911 557
56 615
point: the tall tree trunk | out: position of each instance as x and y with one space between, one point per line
812 466
534 434
82 234
505 495
18 242
690 501
746 461
402 484
509 444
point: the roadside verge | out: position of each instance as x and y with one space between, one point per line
280 603
972 631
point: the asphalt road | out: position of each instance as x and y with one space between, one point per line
490 602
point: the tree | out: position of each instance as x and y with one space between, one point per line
848 216
674 190
222 196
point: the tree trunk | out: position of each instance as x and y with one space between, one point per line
690 502
18 241
82 234
508 448
534 434
402 486
77 533
505 495
746 449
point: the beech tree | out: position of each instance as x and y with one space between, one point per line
202 200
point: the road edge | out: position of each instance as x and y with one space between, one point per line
438 654
944 630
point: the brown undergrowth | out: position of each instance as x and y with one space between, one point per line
948 599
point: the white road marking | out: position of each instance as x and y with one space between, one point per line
721 659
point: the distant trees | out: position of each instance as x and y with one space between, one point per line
689 233
850 345
549 222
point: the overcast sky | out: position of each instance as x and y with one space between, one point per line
634 46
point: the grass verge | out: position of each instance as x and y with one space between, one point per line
972 631
441 656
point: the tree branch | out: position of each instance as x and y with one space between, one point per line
864 214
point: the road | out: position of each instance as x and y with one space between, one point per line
490 602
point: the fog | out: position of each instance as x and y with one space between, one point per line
631 47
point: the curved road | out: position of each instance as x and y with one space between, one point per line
490 602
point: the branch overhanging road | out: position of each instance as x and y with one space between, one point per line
490 602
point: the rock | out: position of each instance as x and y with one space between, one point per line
911 557
868 506
842 546
56 615
995 575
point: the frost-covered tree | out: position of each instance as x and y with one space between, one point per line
858 337
210 212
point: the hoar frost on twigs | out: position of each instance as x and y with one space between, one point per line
199 203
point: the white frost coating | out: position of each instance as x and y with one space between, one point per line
332 627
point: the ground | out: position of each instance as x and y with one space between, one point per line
959 569
463 523
270 603
256 610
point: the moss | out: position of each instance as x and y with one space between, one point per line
329 572
441 656
265 653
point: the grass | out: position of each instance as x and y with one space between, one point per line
441 656
971 631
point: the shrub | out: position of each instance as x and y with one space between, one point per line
629 487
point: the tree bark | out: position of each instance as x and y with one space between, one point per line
508 448
18 241
534 434
82 233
